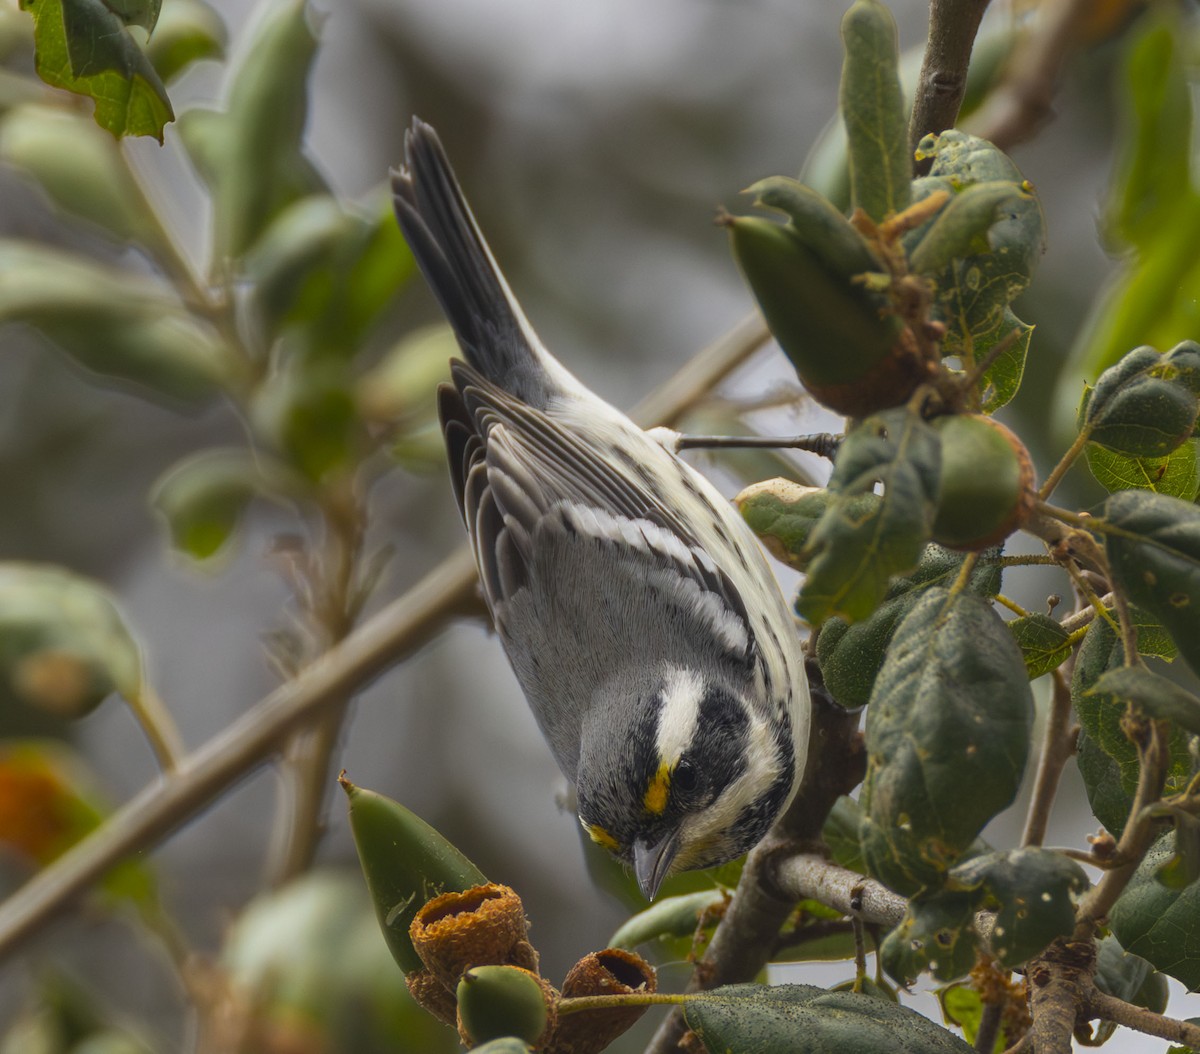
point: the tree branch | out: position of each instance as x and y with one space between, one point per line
1023 101
1110 1008
1058 981
953 25
1058 746
447 592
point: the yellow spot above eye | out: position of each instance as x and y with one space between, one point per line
654 801
601 837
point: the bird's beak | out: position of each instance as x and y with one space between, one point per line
652 862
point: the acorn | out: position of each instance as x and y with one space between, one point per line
987 483
613 971
498 1001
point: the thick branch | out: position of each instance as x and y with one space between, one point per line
943 80
396 632
1058 982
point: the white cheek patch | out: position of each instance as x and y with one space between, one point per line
680 713
707 827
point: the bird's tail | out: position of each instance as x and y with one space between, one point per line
492 330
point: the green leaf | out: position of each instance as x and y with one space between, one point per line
1153 547
669 917
1161 924
961 228
78 166
850 654
507 1045
1175 475
801 1019
1155 695
974 293
329 270
840 834
1044 644
873 110
1184 868
84 47
116 323
189 31
783 513
1153 207
406 864
307 408
1033 891
1140 407
1127 977
951 708
1002 379
855 557
64 645
203 496
936 934
1107 759
963 1006
251 155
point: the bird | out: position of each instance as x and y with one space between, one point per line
637 609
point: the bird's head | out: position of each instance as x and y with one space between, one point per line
690 776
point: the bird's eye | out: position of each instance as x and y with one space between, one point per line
685 777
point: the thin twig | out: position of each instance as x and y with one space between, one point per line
1057 748
823 444
989 1027
1110 1008
1135 838
447 592
1018 107
943 79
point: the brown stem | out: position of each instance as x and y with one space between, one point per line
1135 839
1023 101
943 79
1058 980
1058 746
989 1027
1110 1008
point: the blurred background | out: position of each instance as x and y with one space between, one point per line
595 143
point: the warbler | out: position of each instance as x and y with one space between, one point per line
639 614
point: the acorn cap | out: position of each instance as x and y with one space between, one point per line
613 971
430 994
482 925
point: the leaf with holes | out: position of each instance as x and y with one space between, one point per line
951 708
1033 892
936 934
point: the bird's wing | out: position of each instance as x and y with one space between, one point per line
523 479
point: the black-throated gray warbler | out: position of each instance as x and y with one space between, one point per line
638 612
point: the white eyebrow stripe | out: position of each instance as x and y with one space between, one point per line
680 714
